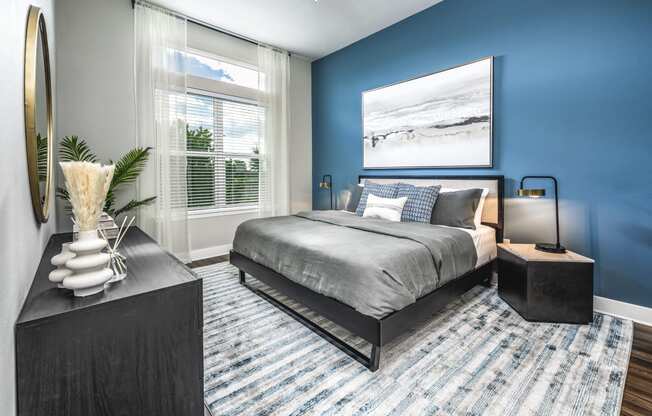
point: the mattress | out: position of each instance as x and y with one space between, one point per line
484 240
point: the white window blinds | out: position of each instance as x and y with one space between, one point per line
222 152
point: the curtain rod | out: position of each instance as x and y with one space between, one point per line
206 25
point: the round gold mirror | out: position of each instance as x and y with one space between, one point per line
38 112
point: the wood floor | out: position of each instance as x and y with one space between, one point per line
208 261
637 400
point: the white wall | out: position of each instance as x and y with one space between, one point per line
95 40
95 77
220 44
213 236
22 238
300 135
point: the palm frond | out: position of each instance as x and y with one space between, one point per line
132 205
127 169
74 149
41 157
108 202
130 166
62 193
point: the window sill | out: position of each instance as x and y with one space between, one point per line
220 212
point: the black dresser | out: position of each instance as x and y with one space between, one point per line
135 349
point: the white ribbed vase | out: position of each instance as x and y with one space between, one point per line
89 266
61 272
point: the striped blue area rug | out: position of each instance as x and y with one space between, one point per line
476 357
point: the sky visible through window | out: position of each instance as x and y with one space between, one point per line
215 69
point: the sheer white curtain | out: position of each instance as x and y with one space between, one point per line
274 81
160 86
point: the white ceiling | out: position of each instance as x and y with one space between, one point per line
306 27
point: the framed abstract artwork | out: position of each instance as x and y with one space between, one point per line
440 120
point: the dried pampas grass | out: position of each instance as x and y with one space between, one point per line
87 184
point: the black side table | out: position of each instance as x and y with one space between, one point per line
546 287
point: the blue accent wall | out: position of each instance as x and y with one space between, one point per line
572 98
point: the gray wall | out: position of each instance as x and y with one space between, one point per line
95 40
22 238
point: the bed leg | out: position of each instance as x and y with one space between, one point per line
491 269
242 277
374 359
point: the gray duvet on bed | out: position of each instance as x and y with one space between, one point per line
373 265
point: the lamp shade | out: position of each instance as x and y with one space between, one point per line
531 193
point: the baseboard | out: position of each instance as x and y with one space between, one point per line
204 253
636 313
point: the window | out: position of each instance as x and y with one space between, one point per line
222 130
222 152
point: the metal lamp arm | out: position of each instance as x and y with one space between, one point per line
330 186
556 199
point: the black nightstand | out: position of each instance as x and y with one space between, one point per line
546 287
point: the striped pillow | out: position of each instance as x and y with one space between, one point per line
383 191
384 208
420 201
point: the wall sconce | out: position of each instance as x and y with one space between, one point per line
327 183
537 193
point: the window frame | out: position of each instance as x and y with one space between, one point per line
216 210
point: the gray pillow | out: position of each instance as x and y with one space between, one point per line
351 197
457 208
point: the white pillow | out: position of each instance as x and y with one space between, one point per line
384 208
477 218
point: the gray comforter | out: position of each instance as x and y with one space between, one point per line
373 265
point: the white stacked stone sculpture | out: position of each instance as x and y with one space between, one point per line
61 272
89 266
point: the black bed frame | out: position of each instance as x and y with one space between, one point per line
378 332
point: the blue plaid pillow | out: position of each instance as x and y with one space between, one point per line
383 191
420 202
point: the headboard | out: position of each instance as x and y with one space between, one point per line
493 212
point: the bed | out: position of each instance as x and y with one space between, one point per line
375 278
